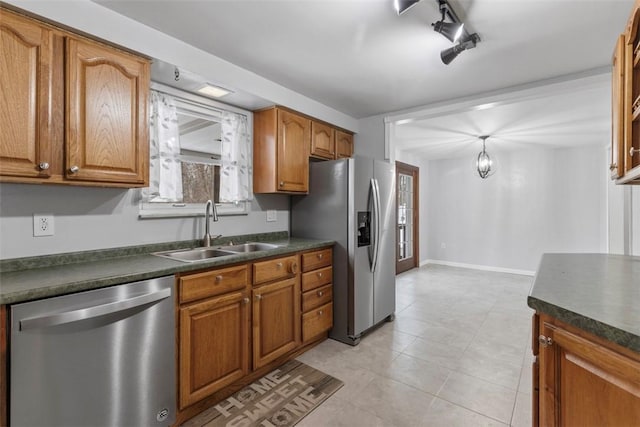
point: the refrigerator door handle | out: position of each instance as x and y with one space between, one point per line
372 207
376 222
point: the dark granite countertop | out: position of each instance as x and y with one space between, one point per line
598 293
34 278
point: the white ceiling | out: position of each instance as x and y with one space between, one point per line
360 58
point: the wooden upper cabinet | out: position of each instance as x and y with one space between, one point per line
26 56
323 144
626 103
617 110
294 133
106 132
344 144
280 152
73 111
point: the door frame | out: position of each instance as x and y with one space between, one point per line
407 264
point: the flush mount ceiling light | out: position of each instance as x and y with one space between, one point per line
401 6
484 163
213 91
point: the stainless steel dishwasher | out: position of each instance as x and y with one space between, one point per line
104 357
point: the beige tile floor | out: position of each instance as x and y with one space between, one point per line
457 354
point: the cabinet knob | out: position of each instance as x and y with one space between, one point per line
74 169
545 341
218 279
613 166
320 293
281 183
320 275
279 265
258 297
633 151
320 256
245 300
320 312
43 166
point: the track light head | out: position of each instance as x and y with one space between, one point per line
451 30
401 6
450 54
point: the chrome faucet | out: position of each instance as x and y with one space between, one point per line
206 240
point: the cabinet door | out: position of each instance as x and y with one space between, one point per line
214 345
276 320
322 141
294 135
106 107
617 110
583 383
344 145
632 93
26 58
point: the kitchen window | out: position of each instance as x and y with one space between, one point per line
199 150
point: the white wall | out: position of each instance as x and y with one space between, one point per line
369 141
541 200
88 218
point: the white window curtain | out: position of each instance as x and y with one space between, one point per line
236 156
165 169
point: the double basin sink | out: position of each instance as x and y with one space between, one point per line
200 254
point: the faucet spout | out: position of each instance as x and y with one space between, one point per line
209 207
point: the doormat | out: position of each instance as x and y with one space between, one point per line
279 399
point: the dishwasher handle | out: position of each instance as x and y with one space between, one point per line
91 312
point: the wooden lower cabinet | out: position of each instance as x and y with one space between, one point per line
214 345
238 322
584 380
276 320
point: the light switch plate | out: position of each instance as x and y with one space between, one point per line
43 225
272 216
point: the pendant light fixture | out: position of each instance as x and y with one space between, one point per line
484 164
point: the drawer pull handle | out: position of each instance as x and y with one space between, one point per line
218 279
320 312
320 256
245 300
320 293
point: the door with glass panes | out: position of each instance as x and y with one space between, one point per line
407 217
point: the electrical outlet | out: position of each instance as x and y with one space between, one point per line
272 216
42 225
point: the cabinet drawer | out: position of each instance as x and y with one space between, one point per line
275 269
316 259
317 321
317 297
316 278
201 285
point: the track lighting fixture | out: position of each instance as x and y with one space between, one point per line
401 6
454 31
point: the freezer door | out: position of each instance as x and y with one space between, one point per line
384 280
362 307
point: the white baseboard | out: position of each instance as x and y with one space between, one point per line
478 267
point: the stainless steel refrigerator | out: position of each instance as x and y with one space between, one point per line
352 201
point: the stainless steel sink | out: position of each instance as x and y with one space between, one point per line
200 254
193 255
249 247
